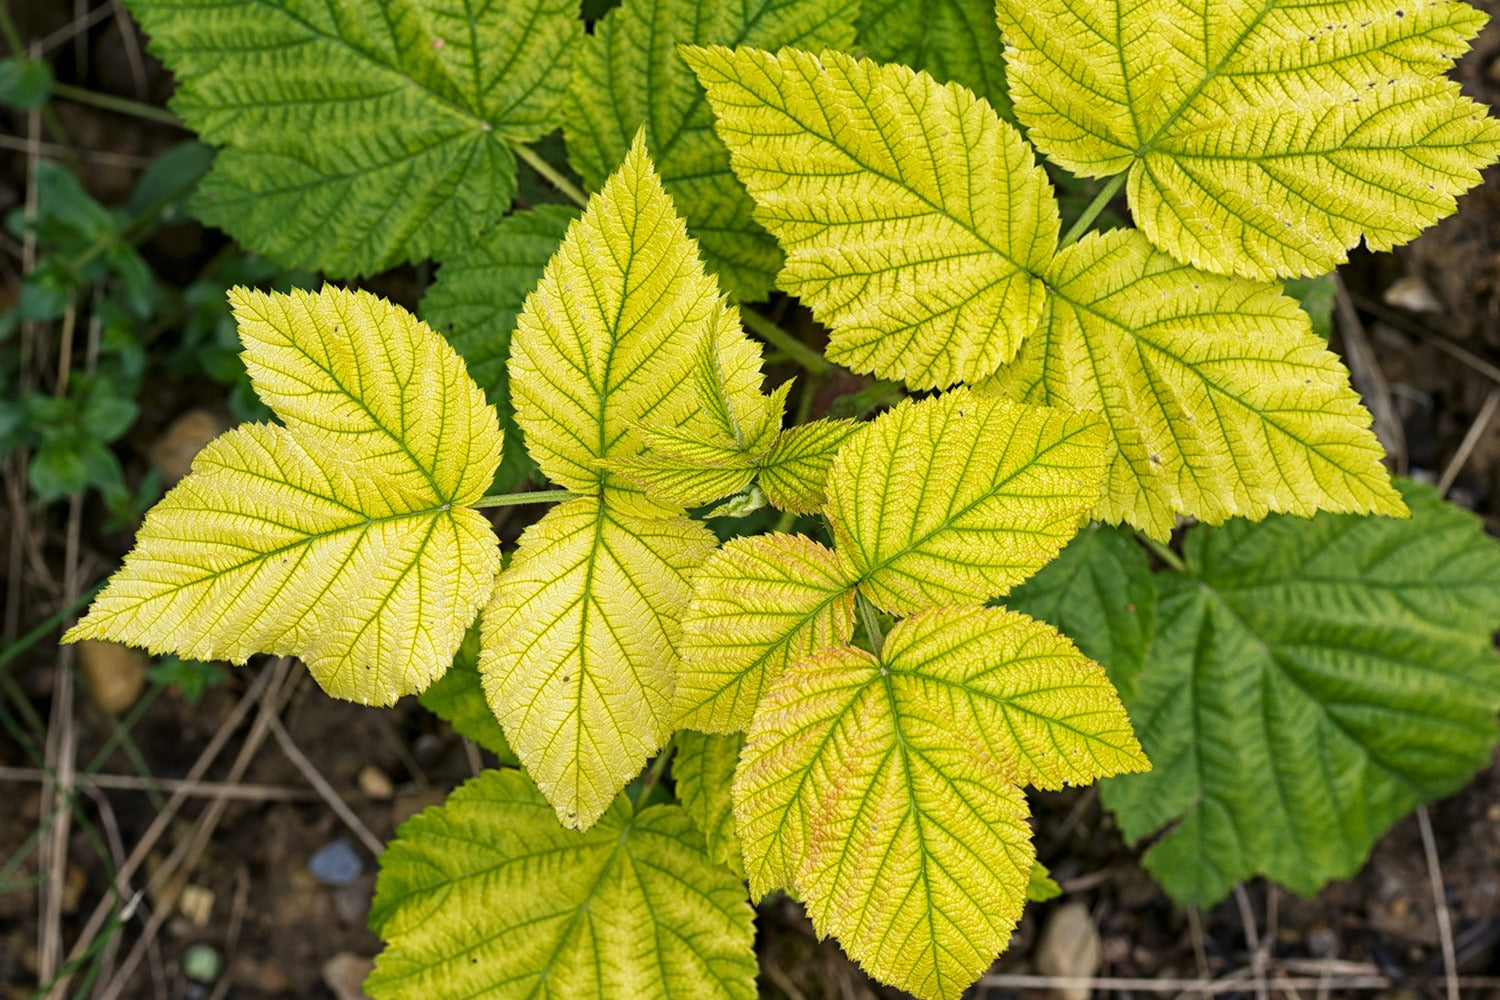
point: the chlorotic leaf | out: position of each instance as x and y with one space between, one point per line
341 537
1219 398
587 369
1311 682
916 223
488 896
954 40
378 133
474 302
758 604
703 771
579 647
458 697
1261 139
629 75
884 791
794 472
999 489
1098 592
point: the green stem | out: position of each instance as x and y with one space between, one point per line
785 342
12 35
870 619
1163 553
554 177
123 105
41 631
654 776
516 499
1101 201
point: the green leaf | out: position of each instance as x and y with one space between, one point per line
1219 399
458 697
579 649
954 40
795 471
587 370
916 223
474 303
1001 489
629 75
1041 886
378 133
1099 593
342 537
24 83
1261 139
758 604
488 896
703 771
884 791
1316 296
1311 682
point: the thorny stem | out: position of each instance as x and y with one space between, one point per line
516 499
553 176
1100 202
1163 553
870 619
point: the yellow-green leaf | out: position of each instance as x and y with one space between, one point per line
611 336
885 791
579 650
758 603
488 897
794 472
1219 398
1260 138
915 222
341 537
702 772
957 498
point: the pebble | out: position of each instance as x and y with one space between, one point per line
1412 294
1069 948
345 974
201 963
374 784
336 864
114 675
172 453
197 904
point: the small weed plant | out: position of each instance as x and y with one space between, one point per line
826 656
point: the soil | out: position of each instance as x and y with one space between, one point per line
277 927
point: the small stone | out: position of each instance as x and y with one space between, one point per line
74 882
1070 949
197 904
114 675
1322 942
336 864
1412 294
172 453
201 963
345 975
374 784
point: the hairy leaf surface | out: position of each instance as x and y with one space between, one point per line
1310 683
1261 138
954 40
885 790
358 135
916 223
341 537
957 498
579 653
1219 398
795 470
1098 592
703 772
474 303
629 75
611 338
758 604
488 896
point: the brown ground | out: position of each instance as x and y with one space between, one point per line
278 928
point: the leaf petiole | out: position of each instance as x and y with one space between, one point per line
1099 204
1165 554
869 617
516 499
785 342
554 177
